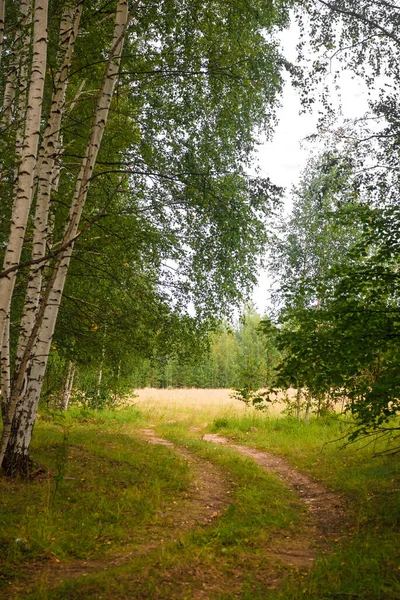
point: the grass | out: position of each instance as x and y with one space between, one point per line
216 558
367 564
96 496
106 487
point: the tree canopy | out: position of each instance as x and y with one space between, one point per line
127 128
131 223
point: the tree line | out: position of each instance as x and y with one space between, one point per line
231 357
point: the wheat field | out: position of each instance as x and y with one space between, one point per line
186 402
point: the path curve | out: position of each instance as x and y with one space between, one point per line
326 508
207 496
205 500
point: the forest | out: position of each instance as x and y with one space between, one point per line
160 436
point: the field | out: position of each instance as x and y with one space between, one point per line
187 494
194 402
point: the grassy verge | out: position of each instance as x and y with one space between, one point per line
100 489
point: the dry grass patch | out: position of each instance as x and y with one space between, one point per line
187 403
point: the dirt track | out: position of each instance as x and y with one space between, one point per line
206 499
326 509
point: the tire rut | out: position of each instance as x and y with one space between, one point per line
205 500
326 521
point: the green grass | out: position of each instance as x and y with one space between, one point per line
106 486
319 449
368 564
221 555
101 488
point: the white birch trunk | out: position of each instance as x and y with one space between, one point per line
5 367
20 39
15 445
308 407
2 23
99 379
23 188
50 315
57 166
69 383
103 355
46 171
22 92
298 404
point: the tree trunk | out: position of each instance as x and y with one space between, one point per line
19 56
69 383
23 186
25 398
103 354
16 458
5 367
308 407
99 379
2 23
23 191
56 285
46 172
298 404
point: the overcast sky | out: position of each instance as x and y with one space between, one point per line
284 158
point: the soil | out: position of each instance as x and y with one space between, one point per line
208 496
326 512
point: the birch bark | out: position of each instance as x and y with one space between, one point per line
69 383
23 186
24 401
103 355
298 404
2 24
5 367
19 57
308 407
24 182
47 170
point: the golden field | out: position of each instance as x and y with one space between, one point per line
213 402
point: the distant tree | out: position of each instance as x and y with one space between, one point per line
256 355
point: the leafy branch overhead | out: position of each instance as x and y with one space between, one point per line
127 128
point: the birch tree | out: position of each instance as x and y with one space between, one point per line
140 119
2 15
38 319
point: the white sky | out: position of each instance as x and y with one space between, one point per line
284 158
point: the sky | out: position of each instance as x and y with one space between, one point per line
285 156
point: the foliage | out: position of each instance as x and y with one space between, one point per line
339 326
155 216
235 355
256 398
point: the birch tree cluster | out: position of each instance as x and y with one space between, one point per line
336 257
125 130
